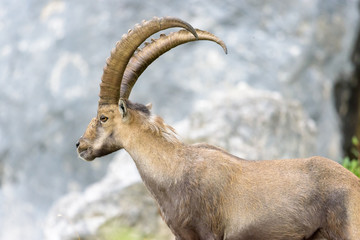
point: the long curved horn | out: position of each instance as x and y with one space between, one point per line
125 48
145 56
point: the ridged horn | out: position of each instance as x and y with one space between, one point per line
145 56
125 48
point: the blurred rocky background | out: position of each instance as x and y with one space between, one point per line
287 88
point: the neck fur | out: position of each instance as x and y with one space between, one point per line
156 156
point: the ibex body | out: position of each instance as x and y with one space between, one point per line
205 193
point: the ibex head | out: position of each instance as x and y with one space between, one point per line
116 115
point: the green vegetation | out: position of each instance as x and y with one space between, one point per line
123 234
353 164
119 228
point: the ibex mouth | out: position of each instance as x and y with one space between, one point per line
86 154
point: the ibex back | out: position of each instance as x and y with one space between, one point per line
205 193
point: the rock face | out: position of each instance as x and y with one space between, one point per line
252 124
52 54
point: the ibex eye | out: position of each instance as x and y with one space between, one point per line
103 118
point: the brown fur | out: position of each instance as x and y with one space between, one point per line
205 193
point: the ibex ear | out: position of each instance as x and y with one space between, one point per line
123 108
149 106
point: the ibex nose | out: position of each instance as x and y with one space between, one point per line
77 144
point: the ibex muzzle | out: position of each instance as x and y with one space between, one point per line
205 193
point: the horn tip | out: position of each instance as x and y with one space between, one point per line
194 32
196 36
225 49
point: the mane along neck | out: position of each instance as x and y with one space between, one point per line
158 127
153 123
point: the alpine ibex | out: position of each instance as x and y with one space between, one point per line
204 192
